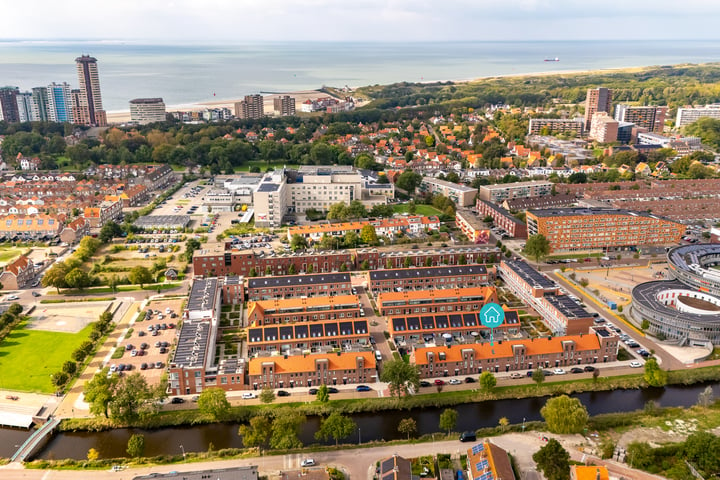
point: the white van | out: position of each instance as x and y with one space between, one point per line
248 396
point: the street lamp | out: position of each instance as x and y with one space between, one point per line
183 452
359 436
523 425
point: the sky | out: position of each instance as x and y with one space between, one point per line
238 21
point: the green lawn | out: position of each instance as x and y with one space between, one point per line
29 357
9 253
419 210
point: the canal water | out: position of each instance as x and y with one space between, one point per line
371 426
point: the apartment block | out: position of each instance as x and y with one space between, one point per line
284 105
59 103
308 336
252 107
504 219
472 226
652 118
445 328
147 110
30 226
500 192
429 278
221 259
89 102
590 229
604 128
376 259
312 370
25 106
597 100
600 345
311 309
8 104
550 126
435 301
462 195
688 115
559 312
294 286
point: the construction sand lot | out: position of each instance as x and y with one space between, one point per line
616 284
66 317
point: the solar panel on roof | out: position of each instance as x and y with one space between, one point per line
478 448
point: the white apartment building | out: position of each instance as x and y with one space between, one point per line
147 110
688 115
317 187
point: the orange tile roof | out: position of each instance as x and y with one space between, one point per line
306 363
487 292
305 302
590 473
537 346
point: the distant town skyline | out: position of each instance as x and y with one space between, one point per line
216 21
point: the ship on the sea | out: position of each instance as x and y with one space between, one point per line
555 59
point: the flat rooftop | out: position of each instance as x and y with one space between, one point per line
444 183
163 220
574 212
530 275
504 186
202 294
192 344
231 473
427 272
291 280
567 306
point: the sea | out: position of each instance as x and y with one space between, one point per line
187 74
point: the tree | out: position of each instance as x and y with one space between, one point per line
640 455
298 242
59 379
538 376
70 367
503 422
93 455
400 376
292 269
323 394
338 211
537 246
267 395
487 381
286 428
553 460
140 275
351 239
703 449
564 415
368 235
136 445
408 426
357 210
214 402
257 432
98 392
448 419
654 375
109 231
408 181
706 397
132 399
55 276
336 426
77 278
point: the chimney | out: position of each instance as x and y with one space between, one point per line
597 474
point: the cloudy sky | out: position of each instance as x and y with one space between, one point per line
217 21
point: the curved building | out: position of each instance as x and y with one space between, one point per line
686 308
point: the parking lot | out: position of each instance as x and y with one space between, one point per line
148 348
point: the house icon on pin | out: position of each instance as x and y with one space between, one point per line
492 315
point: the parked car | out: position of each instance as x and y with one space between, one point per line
425 383
177 400
439 382
589 368
362 388
469 380
635 364
283 393
248 396
468 437
516 375
559 371
454 381
576 370
36 294
308 462
313 391
333 390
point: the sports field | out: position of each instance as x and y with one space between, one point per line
29 357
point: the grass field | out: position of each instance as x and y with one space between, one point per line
419 210
29 357
8 253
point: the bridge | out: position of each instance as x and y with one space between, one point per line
35 440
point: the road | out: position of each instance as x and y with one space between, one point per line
359 463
